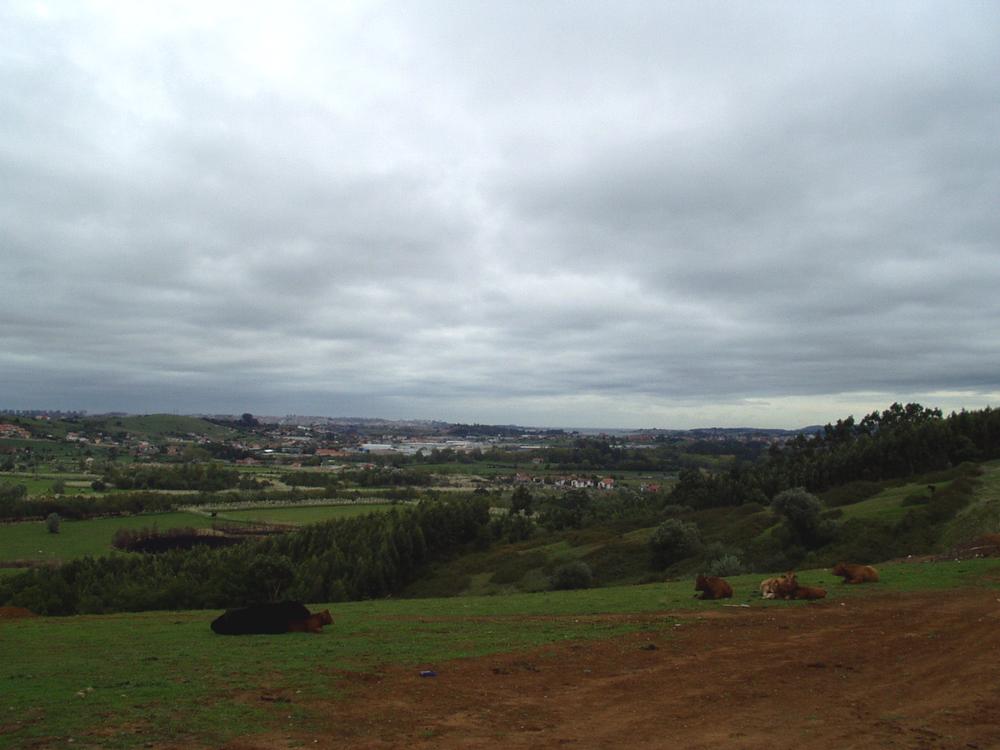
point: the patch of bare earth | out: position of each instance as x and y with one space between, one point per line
917 671
15 613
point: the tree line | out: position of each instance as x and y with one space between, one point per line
206 477
898 442
356 558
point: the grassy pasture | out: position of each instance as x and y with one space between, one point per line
982 515
162 425
121 681
29 540
886 505
40 484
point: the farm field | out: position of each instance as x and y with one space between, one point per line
29 540
51 452
888 504
41 484
897 663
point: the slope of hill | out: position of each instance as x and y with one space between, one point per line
899 663
619 554
158 426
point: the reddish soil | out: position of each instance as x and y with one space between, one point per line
12 613
917 671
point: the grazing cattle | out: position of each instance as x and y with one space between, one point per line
260 618
856 573
809 592
781 587
312 624
713 587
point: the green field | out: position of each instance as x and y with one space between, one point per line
301 514
41 483
122 681
158 426
982 515
29 540
888 504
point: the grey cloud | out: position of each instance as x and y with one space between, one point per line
492 212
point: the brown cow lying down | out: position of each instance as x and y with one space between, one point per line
808 592
713 588
272 618
781 587
856 573
312 624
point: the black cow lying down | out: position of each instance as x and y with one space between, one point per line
260 618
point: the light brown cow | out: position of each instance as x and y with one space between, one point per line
856 573
781 587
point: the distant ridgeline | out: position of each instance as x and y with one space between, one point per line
356 558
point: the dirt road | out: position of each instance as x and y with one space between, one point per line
894 671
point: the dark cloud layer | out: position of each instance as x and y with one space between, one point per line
559 213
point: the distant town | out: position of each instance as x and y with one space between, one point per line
293 438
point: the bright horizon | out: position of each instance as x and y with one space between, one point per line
728 417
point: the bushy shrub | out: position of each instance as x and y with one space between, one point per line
52 522
721 560
947 501
574 575
522 501
802 512
726 565
674 540
566 510
512 527
11 492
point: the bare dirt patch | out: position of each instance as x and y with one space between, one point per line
917 671
987 545
15 613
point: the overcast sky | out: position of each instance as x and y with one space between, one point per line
544 213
